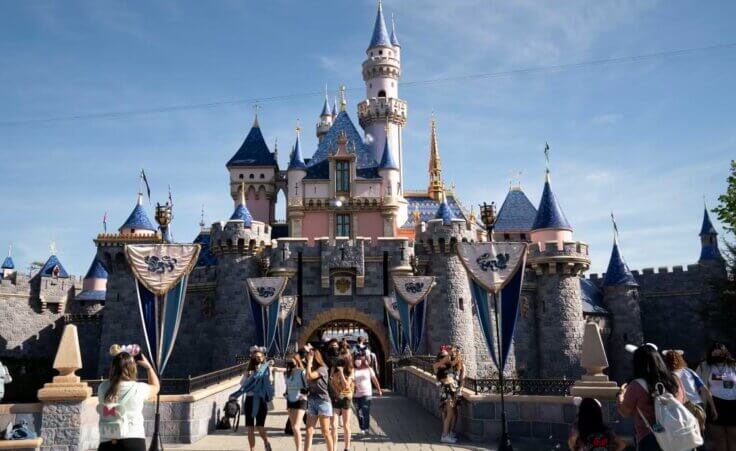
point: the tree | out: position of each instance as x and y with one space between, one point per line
726 209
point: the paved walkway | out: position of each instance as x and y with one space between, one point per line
396 424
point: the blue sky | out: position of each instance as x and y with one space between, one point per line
647 140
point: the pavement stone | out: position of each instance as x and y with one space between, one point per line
397 423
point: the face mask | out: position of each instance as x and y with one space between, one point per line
358 364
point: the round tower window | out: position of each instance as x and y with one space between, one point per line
252 176
382 93
240 176
263 176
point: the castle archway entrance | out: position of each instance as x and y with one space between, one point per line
349 323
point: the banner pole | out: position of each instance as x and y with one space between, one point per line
156 443
505 443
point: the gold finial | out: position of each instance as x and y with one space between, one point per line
342 139
416 215
201 219
52 248
343 102
242 193
298 127
472 214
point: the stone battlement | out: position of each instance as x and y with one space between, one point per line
654 271
571 257
437 237
382 108
234 237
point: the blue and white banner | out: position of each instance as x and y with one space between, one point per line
496 273
161 272
411 296
286 322
265 294
393 319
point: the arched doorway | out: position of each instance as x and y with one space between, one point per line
349 323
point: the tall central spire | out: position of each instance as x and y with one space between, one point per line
380 32
436 187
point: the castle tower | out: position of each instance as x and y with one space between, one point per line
621 296
557 262
382 109
237 245
325 120
709 251
436 187
255 166
388 169
138 224
295 189
450 309
8 266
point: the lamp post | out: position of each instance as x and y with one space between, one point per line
488 216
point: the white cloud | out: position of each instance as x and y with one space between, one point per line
606 119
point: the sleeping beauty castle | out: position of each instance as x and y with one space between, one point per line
351 225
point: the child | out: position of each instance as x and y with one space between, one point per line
589 433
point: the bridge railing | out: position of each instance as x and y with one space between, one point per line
480 386
187 385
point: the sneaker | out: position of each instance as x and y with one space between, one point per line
448 439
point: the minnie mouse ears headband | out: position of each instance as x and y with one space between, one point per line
676 351
256 348
631 348
131 349
577 400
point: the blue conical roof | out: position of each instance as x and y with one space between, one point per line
96 270
380 33
297 160
707 227
387 160
394 38
549 213
241 212
138 218
516 214
51 263
8 263
618 271
334 106
254 150
325 108
444 213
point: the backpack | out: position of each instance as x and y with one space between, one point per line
676 429
113 420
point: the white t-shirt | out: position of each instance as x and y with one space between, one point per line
722 381
294 384
691 382
363 386
133 406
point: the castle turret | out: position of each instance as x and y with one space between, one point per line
558 262
621 296
94 285
138 224
8 266
256 166
325 120
709 251
295 188
382 109
450 309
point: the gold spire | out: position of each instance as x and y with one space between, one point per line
436 187
242 193
416 215
472 217
343 102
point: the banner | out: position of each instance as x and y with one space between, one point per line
161 272
411 291
265 303
286 322
496 272
393 319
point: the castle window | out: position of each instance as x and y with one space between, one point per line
342 176
523 237
381 93
263 176
252 176
240 176
460 303
342 225
380 52
506 237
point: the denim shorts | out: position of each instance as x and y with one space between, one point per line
319 408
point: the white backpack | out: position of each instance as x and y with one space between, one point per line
676 429
113 420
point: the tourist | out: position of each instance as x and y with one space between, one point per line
635 399
296 396
362 348
589 432
459 372
697 393
258 389
444 369
718 371
343 385
121 401
365 380
319 406
5 378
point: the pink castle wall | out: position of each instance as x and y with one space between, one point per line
552 235
259 206
370 224
315 224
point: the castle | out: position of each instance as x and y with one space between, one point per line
351 225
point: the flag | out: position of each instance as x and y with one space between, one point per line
546 152
148 188
171 200
104 222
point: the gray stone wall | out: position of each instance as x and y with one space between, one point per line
69 426
526 345
623 303
561 322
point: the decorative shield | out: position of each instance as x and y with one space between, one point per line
161 272
413 288
492 264
392 307
265 290
161 266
